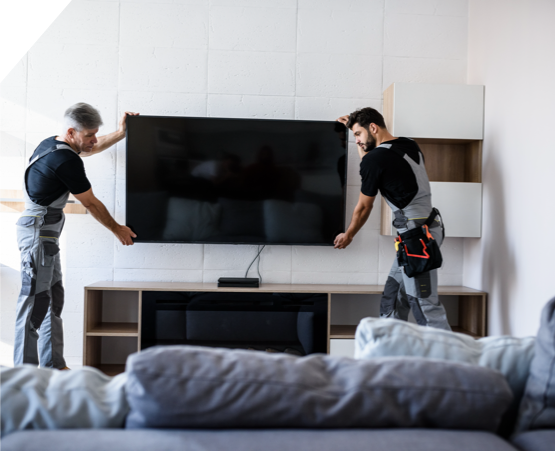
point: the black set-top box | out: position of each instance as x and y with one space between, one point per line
239 282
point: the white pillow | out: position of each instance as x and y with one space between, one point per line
39 398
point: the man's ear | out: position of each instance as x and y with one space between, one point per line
373 128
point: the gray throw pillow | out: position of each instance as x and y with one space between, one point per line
384 337
537 409
39 398
512 356
199 387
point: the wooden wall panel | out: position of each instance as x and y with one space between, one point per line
388 107
456 161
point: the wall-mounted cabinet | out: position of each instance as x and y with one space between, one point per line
418 110
447 123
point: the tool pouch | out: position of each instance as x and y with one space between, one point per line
417 251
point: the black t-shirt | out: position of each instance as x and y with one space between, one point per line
55 174
385 171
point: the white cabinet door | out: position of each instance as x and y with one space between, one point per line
436 111
460 205
343 347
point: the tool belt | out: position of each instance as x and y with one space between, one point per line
417 251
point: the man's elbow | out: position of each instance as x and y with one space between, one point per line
87 204
87 201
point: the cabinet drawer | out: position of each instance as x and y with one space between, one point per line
460 205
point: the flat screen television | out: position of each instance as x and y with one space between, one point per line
235 181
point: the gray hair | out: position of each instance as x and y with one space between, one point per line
82 116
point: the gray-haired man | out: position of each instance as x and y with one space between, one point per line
55 170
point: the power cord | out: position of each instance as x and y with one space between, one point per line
258 264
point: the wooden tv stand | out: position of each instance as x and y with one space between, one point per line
112 320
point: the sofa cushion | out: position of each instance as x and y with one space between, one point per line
537 409
39 398
540 440
255 440
377 337
190 387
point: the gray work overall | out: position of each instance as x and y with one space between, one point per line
41 299
402 293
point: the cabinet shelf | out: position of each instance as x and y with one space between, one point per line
452 160
114 330
342 331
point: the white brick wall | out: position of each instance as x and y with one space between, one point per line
283 59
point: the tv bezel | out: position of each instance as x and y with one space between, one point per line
138 240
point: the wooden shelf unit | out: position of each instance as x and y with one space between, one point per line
104 331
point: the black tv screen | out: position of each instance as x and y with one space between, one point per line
240 181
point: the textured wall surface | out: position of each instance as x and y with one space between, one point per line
511 52
283 59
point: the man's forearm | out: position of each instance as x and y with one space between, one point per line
360 216
101 214
107 141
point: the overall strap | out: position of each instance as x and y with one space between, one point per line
402 154
50 150
398 151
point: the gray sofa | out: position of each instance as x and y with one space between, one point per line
257 440
188 398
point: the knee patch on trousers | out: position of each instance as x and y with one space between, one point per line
42 301
57 298
389 297
417 311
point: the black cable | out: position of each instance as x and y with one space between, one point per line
258 265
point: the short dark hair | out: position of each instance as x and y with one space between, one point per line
364 117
